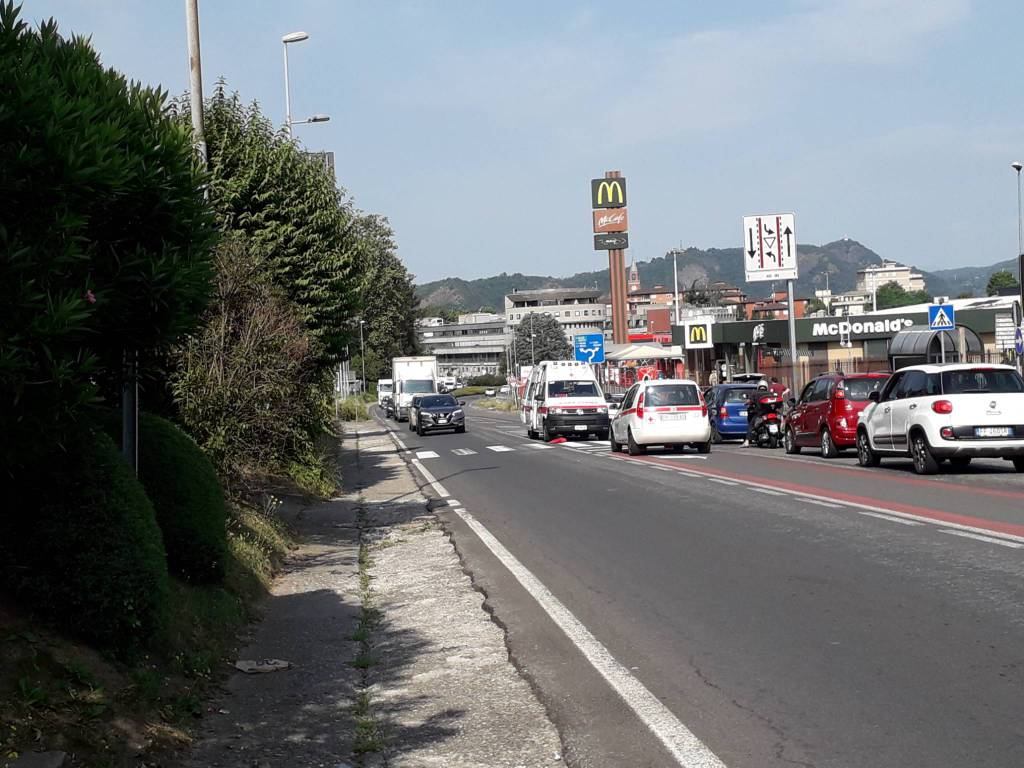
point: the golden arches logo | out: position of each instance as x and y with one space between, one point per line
613 190
698 334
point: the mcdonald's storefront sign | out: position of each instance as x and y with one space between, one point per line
698 335
614 220
608 193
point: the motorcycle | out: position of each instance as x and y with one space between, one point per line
768 423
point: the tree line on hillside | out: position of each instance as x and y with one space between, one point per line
233 291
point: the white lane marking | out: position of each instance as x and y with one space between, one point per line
454 503
441 490
663 469
890 518
688 474
538 446
463 451
399 441
720 481
426 455
499 448
820 503
767 491
979 537
578 446
681 743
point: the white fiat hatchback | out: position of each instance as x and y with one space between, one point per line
668 412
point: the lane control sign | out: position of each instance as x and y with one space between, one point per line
941 317
589 347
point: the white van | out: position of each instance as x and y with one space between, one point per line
385 387
563 398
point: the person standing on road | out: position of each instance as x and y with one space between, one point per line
713 378
778 389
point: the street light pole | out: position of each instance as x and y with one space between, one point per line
294 37
195 78
1017 166
533 357
362 352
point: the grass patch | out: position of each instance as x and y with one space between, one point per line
55 694
496 404
466 391
353 408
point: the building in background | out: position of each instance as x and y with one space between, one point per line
577 310
776 307
465 349
870 279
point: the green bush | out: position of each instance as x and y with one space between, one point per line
186 494
85 552
486 381
353 408
105 232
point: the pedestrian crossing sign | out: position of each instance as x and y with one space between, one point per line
941 317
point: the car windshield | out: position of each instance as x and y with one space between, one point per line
418 385
981 380
384 388
737 395
672 394
861 389
573 389
438 401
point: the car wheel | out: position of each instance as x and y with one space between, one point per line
549 433
828 447
460 430
532 434
789 441
419 430
1018 464
866 456
635 449
704 447
960 462
614 445
924 462
716 436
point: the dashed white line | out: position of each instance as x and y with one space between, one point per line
821 503
890 518
499 448
681 743
766 491
720 481
980 537
463 451
426 455
538 446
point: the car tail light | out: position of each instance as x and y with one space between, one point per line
723 412
840 392
942 406
772 417
947 433
640 406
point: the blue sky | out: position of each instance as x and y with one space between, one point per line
475 126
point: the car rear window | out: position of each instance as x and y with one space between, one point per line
861 389
572 389
737 395
981 380
672 394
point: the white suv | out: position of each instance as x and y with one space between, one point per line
668 412
955 411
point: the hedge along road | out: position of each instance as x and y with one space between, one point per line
777 627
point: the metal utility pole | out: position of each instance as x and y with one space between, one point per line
795 385
362 353
195 68
675 283
1017 166
533 357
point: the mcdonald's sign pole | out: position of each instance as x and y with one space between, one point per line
608 199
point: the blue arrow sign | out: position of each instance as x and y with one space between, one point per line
589 347
1018 341
941 317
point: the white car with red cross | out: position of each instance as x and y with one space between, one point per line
667 412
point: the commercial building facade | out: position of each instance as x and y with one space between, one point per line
577 310
466 349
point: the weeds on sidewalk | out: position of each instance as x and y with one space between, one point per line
369 730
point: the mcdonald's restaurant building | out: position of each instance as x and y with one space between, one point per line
849 343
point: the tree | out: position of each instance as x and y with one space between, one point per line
1002 278
105 234
292 214
540 337
893 295
387 298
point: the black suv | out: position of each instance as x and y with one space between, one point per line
436 412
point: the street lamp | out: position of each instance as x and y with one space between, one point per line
362 352
294 37
1017 166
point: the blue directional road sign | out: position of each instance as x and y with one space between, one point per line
1018 341
941 317
589 347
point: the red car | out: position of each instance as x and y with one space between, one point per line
827 412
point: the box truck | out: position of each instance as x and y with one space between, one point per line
412 376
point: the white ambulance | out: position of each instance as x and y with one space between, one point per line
563 397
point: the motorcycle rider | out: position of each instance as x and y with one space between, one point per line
754 410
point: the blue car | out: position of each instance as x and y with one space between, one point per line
727 411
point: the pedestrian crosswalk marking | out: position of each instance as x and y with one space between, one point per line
426 455
463 451
499 448
538 446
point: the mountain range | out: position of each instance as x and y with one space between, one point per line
833 265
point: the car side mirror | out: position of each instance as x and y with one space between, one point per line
607 397
462 402
875 397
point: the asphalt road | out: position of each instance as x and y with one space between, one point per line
787 610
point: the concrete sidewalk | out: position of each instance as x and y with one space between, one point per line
395 661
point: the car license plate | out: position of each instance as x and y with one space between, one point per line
773 428
992 432
743 414
673 416
580 427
